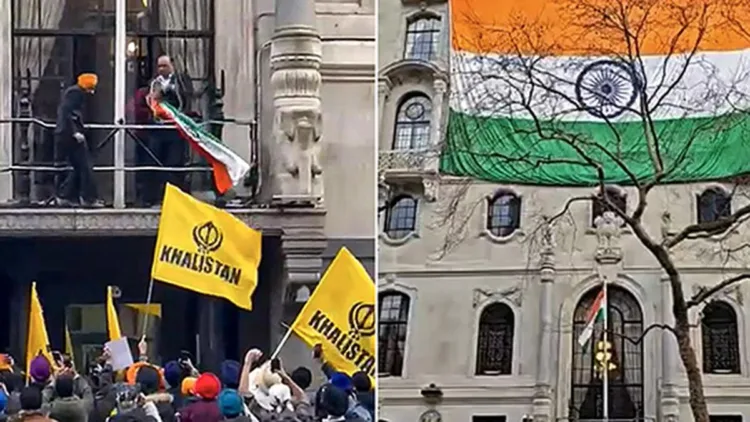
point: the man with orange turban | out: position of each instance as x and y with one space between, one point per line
79 186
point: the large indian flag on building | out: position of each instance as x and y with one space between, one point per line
536 85
228 167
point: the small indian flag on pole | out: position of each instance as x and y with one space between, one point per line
597 312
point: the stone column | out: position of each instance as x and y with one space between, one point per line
669 400
303 263
542 401
296 54
384 91
6 98
439 88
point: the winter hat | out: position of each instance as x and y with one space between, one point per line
334 400
342 381
361 382
3 402
40 369
64 386
230 403
229 373
207 386
187 388
172 373
148 378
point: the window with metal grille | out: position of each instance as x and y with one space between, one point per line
401 217
488 419
721 348
714 204
422 38
393 320
503 213
725 418
495 340
599 206
412 130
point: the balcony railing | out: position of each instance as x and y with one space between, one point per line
423 160
38 168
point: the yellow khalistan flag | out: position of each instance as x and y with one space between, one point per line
340 315
37 341
113 321
207 250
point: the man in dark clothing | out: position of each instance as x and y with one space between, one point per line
79 184
31 406
148 379
67 407
139 112
169 147
364 391
207 388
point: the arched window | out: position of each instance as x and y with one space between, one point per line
721 346
599 206
503 213
393 320
713 204
620 354
495 340
401 217
422 39
412 130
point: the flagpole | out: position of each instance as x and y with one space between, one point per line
605 383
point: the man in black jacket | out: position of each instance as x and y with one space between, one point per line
79 186
168 86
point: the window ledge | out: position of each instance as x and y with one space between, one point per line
492 374
517 233
624 230
400 241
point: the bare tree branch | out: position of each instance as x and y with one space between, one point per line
706 293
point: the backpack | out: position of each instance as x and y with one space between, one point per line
358 413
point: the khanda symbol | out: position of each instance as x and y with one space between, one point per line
362 320
604 355
207 237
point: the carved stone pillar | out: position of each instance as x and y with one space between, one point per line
296 54
384 91
542 401
669 400
6 98
439 88
302 250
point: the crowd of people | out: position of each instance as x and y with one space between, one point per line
258 390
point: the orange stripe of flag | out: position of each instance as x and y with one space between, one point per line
573 27
595 307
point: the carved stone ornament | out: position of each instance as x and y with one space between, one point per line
608 229
512 294
431 187
547 235
298 137
431 415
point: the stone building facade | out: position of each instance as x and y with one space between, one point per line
242 58
482 302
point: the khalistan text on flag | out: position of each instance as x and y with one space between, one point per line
596 313
228 168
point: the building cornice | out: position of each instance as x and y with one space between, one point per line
139 222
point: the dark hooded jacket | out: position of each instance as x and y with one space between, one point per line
81 389
201 411
69 113
68 409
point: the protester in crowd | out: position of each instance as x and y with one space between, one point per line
40 377
230 374
205 409
187 391
170 149
364 392
79 187
66 406
335 404
232 407
151 386
12 382
3 403
132 406
32 409
302 377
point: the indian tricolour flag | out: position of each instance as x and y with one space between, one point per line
597 312
228 168
565 68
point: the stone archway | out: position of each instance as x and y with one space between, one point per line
626 386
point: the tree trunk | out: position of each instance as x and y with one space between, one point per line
697 399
